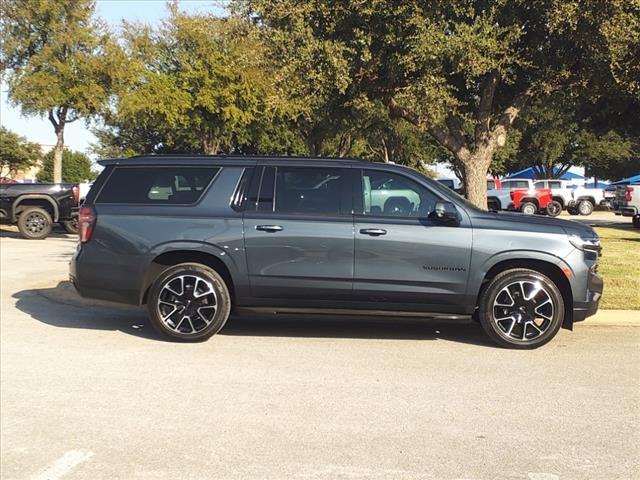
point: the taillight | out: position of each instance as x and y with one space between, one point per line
76 194
627 196
86 222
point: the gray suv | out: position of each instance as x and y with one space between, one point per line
197 237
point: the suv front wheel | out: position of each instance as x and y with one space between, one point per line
521 308
189 302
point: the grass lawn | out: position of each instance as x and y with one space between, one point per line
620 267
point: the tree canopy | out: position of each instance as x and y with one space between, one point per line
16 153
460 71
57 60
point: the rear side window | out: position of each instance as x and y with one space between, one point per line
157 185
311 190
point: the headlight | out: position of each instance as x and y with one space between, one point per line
590 244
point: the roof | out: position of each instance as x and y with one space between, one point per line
531 174
626 181
206 159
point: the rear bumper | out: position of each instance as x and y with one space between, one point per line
628 211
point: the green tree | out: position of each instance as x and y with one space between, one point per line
76 167
461 71
197 83
16 153
57 61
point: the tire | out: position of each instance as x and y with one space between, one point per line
523 325
34 223
572 211
636 221
585 208
529 208
554 208
71 226
174 289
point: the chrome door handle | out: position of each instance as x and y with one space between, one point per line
269 228
374 232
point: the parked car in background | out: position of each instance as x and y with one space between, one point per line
627 202
195 237
499 198
541 201
576 200
35 207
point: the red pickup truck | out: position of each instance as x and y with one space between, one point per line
542 202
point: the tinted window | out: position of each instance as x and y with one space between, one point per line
491 184
555 184
539 185
161 185
392 195
312 190
515 184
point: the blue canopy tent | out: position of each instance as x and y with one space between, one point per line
628 180
531 174
598 185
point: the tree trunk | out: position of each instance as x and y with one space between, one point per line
57 155
476 167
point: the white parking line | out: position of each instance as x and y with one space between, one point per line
64 465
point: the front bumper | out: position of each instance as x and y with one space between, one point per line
587 308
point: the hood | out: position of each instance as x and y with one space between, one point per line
534 223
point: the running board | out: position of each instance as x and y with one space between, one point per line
347 312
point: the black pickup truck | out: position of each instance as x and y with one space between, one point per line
35 207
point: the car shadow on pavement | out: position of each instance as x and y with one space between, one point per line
362 327
38 304
34 303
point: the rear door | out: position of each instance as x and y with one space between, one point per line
404 259
298 230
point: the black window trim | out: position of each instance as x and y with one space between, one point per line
359 214
155 204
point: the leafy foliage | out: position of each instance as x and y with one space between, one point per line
57 60
76 167
16 153
460 71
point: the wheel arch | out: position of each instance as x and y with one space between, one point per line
546 266
36 200
174 256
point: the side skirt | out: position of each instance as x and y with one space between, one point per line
345 312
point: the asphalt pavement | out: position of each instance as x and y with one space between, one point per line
90 392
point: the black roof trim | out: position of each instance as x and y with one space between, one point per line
191 158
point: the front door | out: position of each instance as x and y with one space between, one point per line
298 231
403 259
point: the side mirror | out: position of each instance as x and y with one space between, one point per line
446 214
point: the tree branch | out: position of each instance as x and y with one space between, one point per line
488 89
443 136
52 119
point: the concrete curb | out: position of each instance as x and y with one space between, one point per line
64 292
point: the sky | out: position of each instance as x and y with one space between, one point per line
77 134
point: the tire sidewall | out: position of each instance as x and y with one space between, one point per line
589 209
23 227
71 226
554 208
528 206
222 296
493 289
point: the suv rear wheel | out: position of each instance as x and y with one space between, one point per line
521 308
34 223
189 302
